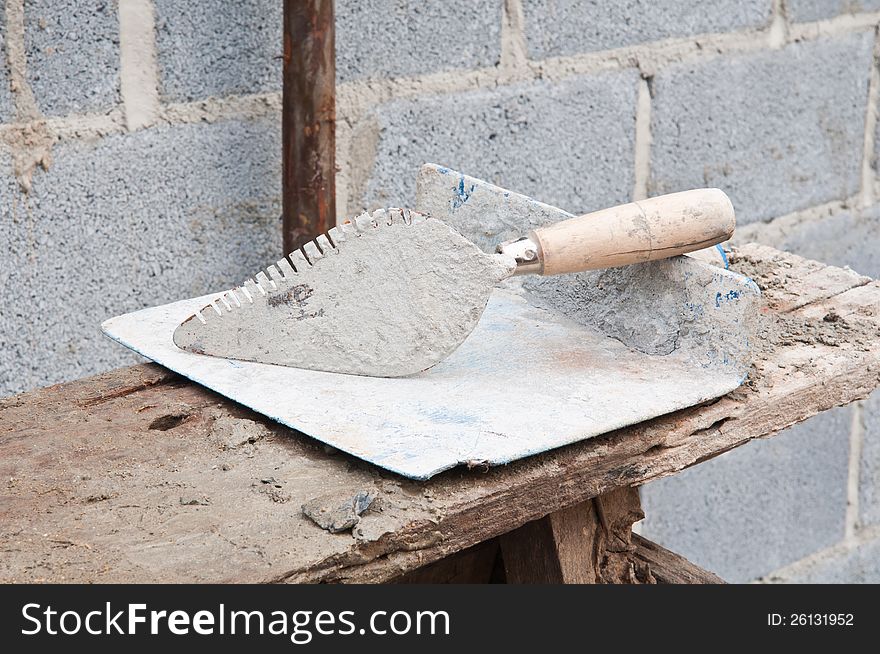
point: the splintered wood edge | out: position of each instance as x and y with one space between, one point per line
669 567
469 508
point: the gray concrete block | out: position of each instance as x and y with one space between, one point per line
800 11
567 27
869 468
72 51
16 232
390 38
759 507
217 48
778 130
133 221
11 263
859 564
850 238
7 109
567 143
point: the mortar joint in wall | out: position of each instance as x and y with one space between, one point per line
642 145
514 50
138 63
856 438
805 565
31 143
869 182
774 231
778 33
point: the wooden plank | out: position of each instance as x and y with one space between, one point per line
789 281
670 568
138 476
587 543
556 549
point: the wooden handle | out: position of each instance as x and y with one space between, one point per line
650 229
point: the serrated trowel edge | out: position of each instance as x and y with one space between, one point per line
294 265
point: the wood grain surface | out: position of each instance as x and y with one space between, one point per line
138 475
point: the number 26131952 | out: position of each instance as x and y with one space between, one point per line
810 620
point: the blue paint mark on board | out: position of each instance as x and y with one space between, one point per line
462 194
694 309
725 297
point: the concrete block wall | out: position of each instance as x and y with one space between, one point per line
140 163
71 69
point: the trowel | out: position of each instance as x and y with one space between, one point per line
393 292
552 360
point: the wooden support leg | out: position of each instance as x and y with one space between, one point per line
586 543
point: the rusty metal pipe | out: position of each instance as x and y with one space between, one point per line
308 121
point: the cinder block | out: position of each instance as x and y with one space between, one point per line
778 131
759 507
72 53
390 38
566 143
869 469
800 11
859 564
218 48
133 221
566 27
850 238
14 235
7 109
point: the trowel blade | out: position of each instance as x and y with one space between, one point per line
388 294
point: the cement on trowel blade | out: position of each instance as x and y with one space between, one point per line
389 294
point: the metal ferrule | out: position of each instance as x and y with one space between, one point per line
526 252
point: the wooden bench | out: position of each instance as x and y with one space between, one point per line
138 475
